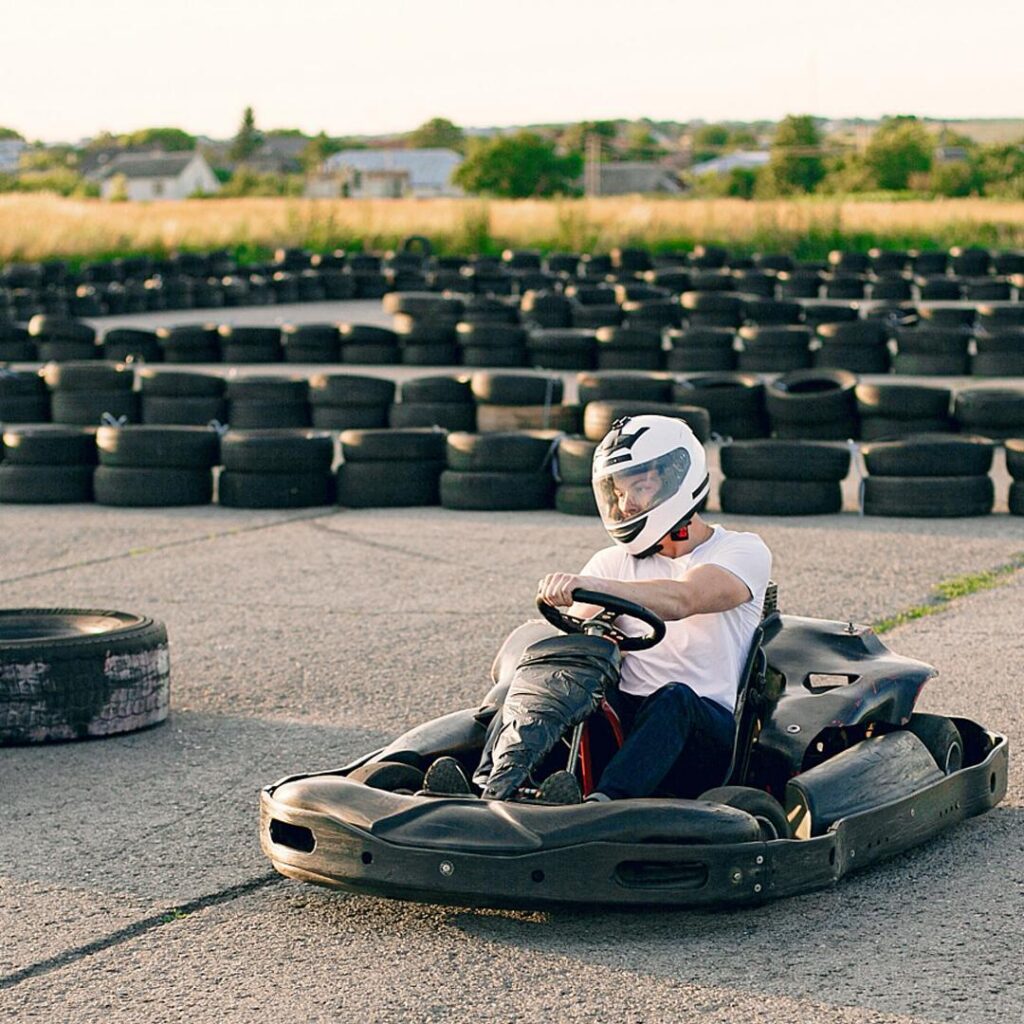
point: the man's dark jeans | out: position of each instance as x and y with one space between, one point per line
676 742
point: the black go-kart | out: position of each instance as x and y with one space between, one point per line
832 771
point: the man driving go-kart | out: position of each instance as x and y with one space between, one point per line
675 701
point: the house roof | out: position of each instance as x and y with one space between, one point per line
637 176
426 167
730 161
154 165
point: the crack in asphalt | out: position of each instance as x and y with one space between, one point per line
151 549
388 546
137 928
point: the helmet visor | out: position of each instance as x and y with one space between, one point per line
638 490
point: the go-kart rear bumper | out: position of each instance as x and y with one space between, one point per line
418 852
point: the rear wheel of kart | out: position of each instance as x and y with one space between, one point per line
392 776
69 674
942 738
769 813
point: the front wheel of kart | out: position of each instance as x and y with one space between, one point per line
765 809
942 738
393 776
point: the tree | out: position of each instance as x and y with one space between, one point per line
169 139
709 142
999 169
437 133
796 164
247 140
641 143
900 147
517 166
574 138
10 133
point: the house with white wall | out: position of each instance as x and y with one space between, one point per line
157 176
387 172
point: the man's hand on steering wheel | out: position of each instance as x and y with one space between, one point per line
556 590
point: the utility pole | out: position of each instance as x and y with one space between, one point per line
592 165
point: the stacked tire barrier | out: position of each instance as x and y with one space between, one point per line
928 476
391 468
598 417
181 398
45 464
735 402
993 412
267 402
783 478
508 471
813 405
345 401
276 469
24 398
147 466
84 393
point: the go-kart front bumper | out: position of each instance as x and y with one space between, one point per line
332 831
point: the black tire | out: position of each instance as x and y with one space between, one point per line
389 484
392 776
699 360
69 674
995 412
884 428
598 417
930 455
430 354
1016 498
152 488
45 485
770 814
948 316
853 358
122 343
810 461
238 489
575 460
88 376
268 415
369 355
576 500
283 390
277 451
349 417
617 387
516 389
903 401
26 409
855 333
145 447
65 351
180 384
944 497
195 412
811 396
60 328
445 415
366 334
998 364
509 492
912 365
422 304
932 341
350 389
780 497
524 451
774 360
1015 458
492 358
87 408
942 738
836 430
41 444
419 445
437 389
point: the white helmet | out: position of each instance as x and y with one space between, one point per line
649 475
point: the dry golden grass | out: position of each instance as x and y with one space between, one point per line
41 226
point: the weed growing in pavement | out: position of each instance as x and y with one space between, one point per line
947 591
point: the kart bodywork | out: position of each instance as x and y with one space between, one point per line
820 725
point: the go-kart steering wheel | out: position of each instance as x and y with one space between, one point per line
613 608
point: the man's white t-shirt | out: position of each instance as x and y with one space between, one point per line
707 652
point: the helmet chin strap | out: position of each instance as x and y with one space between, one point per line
680 533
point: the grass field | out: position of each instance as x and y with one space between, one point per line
34 227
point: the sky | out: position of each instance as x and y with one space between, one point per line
70 69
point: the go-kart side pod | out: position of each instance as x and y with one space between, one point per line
334 831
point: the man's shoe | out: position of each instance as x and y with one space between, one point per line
445 777
560 788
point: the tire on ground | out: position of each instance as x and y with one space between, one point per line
510 492
526 451
930 455
598 417
277 451
241 489
576 500
389 483
69 674
810 461
152 488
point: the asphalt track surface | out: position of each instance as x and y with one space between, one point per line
132 886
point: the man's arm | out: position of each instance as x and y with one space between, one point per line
703 589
